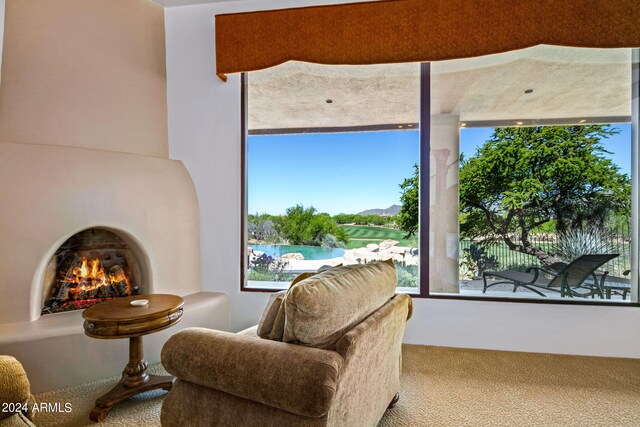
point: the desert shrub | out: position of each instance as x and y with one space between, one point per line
330 241
407 275
474 260
270 276
269 269
262 228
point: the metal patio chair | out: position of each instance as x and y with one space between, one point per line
566 281
615 285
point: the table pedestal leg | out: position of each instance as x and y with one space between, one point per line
135 379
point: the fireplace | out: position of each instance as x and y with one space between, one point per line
91 266
146 210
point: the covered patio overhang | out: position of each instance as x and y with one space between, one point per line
539 85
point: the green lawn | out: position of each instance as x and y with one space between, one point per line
374 235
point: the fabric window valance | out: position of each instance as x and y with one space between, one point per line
418 30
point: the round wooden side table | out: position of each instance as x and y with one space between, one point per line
119 319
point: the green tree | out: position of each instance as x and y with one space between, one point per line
294 226
302 226
408 217
525 177
325 231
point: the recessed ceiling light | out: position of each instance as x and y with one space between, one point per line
582 121
400 126
528 91
410 126
519 123
329 101
463 124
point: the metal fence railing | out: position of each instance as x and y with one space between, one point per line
616 241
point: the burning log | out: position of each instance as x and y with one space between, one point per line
106 291
84 282
122 288
63 292
116 273
113 261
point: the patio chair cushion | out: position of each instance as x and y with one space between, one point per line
320 309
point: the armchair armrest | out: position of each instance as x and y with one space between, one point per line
297 379
14 385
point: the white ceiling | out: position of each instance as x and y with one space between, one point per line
567 83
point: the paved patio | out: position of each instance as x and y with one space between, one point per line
474 288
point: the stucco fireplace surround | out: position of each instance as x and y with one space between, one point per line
50 193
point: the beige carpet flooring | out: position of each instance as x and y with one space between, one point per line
447 387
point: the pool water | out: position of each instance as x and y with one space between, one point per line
308 252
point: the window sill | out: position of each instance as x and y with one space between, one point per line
259 286
534 300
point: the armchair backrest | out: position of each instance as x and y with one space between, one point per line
321 309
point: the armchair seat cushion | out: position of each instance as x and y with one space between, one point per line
296 379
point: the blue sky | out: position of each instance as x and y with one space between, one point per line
352 172
335 173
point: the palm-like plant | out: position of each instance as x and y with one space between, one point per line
574 243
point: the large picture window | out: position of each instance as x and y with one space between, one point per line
511 176
330 156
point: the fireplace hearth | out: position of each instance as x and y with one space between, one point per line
92 266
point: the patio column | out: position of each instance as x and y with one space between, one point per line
443 204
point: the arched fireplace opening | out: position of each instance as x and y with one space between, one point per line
91 266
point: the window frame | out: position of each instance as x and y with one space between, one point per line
424 191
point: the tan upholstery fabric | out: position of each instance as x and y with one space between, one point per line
277 332
242 380
383 32
277 329
300 277
194 405
378 338
269 315
17 420
14 384
320 309
410 314
293 378
250 332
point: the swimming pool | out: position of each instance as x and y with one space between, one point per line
308 252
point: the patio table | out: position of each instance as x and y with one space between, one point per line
616 284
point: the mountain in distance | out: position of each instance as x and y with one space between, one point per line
390 211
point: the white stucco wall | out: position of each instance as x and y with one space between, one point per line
204 132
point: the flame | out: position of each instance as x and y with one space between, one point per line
91 277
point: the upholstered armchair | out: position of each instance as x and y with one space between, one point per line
16 401
327 352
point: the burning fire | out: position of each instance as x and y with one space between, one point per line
90 275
